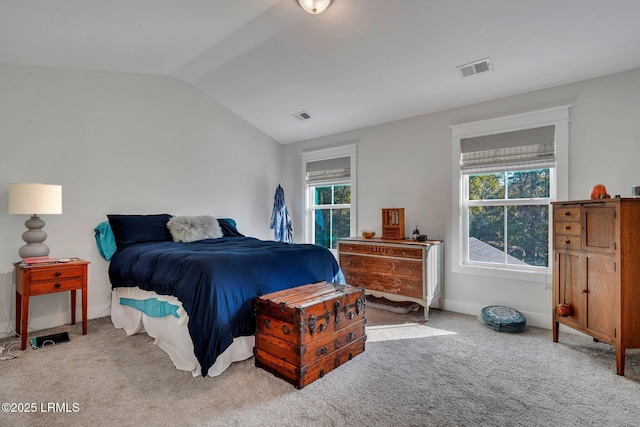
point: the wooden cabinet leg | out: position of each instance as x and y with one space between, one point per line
556 327
620 353
84 310
24 318
18 312
73 307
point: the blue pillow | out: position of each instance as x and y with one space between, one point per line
105 240
228 227
131 229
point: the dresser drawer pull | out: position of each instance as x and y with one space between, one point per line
567 213
322 351
349 263
567 227
58 274
57 285
567 241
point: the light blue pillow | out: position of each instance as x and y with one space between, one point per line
105 240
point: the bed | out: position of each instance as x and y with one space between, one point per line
192 287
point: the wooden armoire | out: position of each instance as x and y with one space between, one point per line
596 248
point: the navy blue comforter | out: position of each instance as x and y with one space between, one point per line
217 281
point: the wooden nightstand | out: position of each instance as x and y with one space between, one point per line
46 279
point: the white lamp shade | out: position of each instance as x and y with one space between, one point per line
314 6
35 199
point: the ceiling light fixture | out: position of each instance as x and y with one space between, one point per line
314 7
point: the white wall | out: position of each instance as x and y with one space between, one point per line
408 164
121 143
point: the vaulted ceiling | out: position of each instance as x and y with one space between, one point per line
360 63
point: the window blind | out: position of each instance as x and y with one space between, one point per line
329 170
529 148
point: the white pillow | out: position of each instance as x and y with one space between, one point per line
193 228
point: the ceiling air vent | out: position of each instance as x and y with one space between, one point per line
475 67
302 115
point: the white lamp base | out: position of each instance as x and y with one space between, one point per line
34 238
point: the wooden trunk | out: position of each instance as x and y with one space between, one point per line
303 333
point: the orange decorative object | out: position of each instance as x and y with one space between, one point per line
564 310
599 191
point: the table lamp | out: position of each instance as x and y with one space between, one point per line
34 199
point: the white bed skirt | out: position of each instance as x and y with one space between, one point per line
171 334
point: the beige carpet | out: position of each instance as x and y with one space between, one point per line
452 371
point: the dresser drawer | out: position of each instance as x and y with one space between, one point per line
41 274
567 228
381 250
385 283
397 267
574 242
566 214
41 288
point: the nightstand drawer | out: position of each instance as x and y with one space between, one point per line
55 273
41 288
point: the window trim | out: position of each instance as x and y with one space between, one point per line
350 151
558 116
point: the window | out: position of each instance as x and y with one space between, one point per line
508 218
506 176
329 195
331 213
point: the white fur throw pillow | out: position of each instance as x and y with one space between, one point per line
192 228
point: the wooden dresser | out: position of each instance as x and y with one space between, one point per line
399 270
597 270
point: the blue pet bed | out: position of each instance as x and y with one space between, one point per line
503 319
